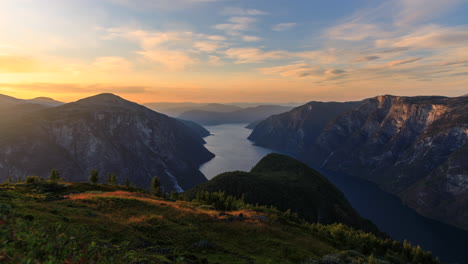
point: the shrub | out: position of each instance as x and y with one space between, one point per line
34 180
93 176
156 186
54 176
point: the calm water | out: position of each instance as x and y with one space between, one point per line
232 149
234 152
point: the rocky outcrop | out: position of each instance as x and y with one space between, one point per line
107 133
415 147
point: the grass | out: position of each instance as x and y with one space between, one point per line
84 223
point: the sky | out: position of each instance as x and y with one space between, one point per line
233 50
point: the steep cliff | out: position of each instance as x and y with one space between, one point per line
107 133
414 147
295 130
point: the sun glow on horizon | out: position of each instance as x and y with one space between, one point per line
220 51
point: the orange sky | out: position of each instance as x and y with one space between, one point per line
154 51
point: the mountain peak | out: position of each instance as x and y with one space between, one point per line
44 99
105 99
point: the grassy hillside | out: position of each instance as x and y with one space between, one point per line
286 183
83 223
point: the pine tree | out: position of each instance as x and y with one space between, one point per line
93 176
156 186
109 179
175 195
127 182
114 180
54 176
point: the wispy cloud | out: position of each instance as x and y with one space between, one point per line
235 11
283 26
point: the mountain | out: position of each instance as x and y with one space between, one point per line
286 183
199 130
176 109
107 133
246 115
414 147
290 131
46 101
96 223
12 108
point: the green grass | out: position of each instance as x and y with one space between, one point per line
83 223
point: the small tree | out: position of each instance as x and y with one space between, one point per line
54 176
127 182
108 178
174 195
34 180
93 176
114 180
9 180
156 186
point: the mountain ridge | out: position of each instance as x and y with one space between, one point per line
396 142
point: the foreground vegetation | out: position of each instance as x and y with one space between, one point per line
50 222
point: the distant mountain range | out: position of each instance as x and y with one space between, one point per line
216 114
176 109
103 132
414 147
246 115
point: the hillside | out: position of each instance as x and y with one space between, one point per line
246 115
176 109
83 223
298 128
286 183
414 147
106 133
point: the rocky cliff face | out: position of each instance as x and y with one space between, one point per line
415 147
297 129
106 133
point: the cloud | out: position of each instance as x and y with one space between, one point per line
394 50
283 26
417 11
251 38
215 60
236 25
159 4
173 60
208 46
19 64
111 64
298 70
366 58
335 71
234 11
253 55
353 32
449 63
429 37
64 88
175 50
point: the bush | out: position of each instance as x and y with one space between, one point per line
34 180
156 186
54 176
93 176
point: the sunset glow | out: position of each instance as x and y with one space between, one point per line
232 51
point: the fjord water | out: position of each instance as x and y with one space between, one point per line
235 152
232 149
